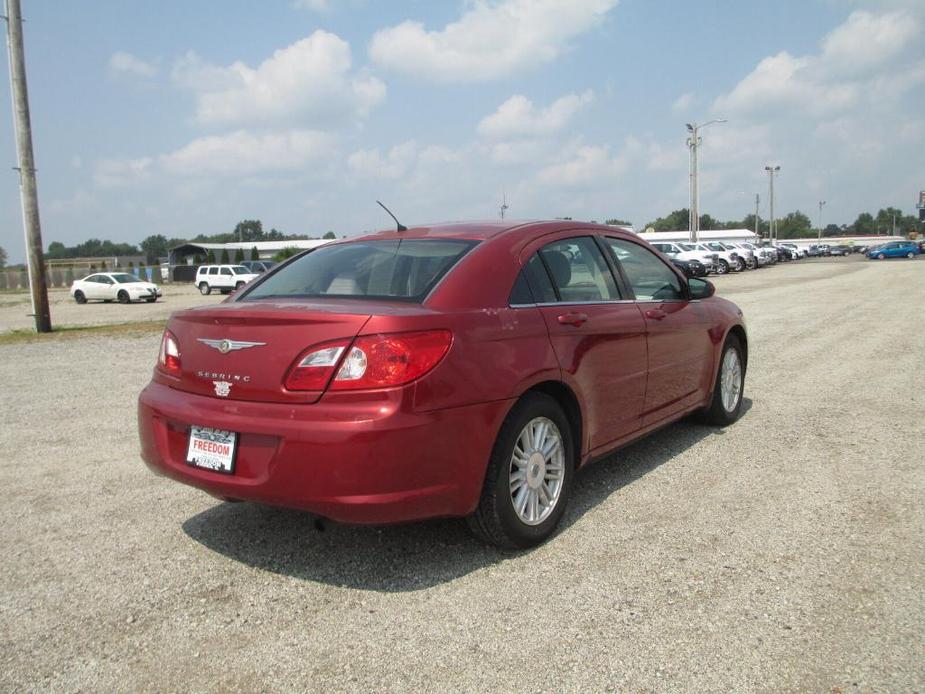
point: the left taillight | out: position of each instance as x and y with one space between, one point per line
169 357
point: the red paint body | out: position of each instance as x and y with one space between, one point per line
421 450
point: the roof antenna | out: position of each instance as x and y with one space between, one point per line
401 227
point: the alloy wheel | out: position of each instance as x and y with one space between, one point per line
537 471
731 380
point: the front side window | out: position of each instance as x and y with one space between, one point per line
240 270
124 278
579 271
402 269
649 277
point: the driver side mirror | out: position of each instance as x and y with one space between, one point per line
701 289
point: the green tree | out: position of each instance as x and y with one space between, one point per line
617 223
210 257
249 230
224 260
676 221
238 256
255 255
3 257
795 225
56 251
707 223
154 247
69 277
329 235
287 252
864 224
103 266
833 230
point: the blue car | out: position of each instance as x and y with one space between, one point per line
894 249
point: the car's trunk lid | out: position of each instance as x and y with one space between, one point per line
243 350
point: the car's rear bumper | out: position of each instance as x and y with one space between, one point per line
360 462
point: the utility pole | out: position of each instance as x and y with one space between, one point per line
693 143
27 187
504 206
894 224
757 201
821 205
772 230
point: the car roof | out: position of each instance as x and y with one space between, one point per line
483 230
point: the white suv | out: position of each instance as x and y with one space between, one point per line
225 278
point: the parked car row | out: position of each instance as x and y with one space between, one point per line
721 257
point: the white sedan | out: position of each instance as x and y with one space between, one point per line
114 286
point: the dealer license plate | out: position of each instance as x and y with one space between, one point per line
212 449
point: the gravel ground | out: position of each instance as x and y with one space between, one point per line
784 553
16 307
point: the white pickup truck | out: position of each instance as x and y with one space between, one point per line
683 251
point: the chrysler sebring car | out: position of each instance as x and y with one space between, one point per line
461 370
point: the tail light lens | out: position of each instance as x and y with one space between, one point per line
373 361
314 368
169 356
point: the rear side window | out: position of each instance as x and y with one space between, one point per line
402 269
579 271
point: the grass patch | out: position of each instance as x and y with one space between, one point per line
132 328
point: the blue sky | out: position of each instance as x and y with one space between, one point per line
183 118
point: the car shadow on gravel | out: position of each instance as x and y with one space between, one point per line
413 556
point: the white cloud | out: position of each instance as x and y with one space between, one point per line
306 84
242 153
683 103
125 64
518 116
853 59
314 5
587 166
490 41
370 163
118 173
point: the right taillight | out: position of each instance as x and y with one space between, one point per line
169 357
372 361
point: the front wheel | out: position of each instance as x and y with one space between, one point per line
910 255
204 288
726 404
79 297
740 265
529 476
123 297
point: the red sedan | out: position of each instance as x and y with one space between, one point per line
456 370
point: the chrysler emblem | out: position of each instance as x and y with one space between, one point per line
222 388
225 346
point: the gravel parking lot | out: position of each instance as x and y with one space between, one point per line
784 553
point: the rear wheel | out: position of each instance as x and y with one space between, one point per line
79 297
722 267
740 264
123 297
529 476
238 286
880 256
726 405
910 255
204 288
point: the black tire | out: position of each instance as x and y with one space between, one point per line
881 256
740 264
151 300
716 413
722 267
204 289
124 297
238 286
79 297
495 520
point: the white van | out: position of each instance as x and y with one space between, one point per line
225 278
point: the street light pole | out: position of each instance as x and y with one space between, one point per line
821 204
772 235
693 143
757 201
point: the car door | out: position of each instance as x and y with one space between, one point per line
225 278
93 288
597 334
680 350
108 288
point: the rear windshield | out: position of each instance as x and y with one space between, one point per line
403 269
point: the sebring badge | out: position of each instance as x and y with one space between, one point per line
225 346
222 388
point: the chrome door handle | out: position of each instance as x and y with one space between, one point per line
655 314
